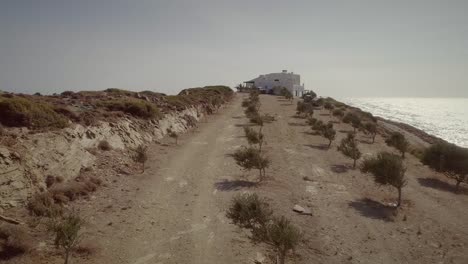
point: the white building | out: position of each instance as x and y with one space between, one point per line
286 79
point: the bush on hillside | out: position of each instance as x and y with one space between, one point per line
449 159
117 91
134 107
14 241
22 112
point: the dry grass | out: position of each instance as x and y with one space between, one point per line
14 241
43 204
49 204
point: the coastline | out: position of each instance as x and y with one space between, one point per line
417 136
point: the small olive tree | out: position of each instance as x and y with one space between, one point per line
329 133
448 159
387 169
250 211
305 108
252 158
283 236
67 232
398 141
352 119
371 129
349 148
254 137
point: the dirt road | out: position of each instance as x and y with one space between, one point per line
175 211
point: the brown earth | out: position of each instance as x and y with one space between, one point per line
175 211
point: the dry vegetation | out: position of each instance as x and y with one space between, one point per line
39 112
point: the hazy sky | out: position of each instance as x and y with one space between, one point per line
340 48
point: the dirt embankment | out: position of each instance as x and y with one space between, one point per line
34 146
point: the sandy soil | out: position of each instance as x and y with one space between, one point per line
175 211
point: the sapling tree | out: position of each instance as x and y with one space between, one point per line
448 159
254 137
371 129
349 147
387 169
251 110
329 133
398 141
251 158
67 232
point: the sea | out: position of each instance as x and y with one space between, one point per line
446 118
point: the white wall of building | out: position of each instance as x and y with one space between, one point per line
282 79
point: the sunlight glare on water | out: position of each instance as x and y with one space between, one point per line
446 118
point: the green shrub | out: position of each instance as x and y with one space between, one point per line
134 107
249 211
387 169
18 112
